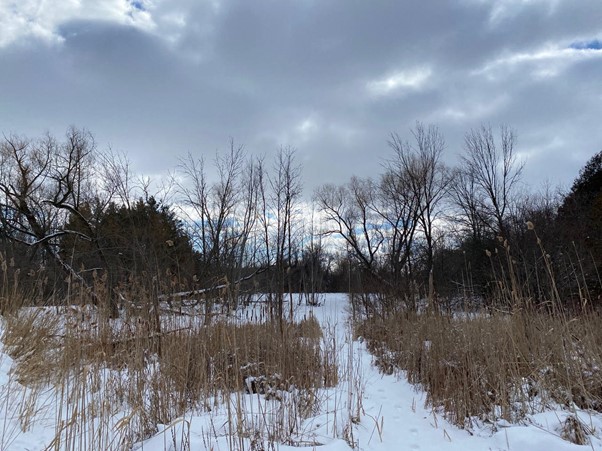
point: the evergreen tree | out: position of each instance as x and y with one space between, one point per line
143 242
580 219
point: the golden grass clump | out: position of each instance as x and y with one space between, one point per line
513 358
157 371
502 365
31 337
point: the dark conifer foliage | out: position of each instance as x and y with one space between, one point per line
144 240
580 226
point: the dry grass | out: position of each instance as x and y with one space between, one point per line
509 360
143 369
498 365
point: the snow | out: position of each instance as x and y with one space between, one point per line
366 411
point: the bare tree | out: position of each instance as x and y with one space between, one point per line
349 212
427 181
223 217
212 207
43 183
116 177
468 200
286 191
398 206
245 225
495 171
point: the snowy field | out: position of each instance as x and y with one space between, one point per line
365 411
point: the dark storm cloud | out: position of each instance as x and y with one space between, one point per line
331 78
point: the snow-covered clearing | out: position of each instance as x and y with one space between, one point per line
366 411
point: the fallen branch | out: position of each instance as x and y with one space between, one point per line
201 291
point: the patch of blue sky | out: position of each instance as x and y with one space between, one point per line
137 4
594 44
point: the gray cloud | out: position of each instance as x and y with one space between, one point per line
333 79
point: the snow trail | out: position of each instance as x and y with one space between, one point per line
395 416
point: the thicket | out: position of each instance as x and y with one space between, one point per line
421 230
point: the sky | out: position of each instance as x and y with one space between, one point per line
158 79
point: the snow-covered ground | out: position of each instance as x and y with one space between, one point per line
366 411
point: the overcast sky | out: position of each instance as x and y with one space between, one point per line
333 78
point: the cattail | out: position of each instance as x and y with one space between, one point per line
530 225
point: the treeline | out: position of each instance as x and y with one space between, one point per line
425 235
418 234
